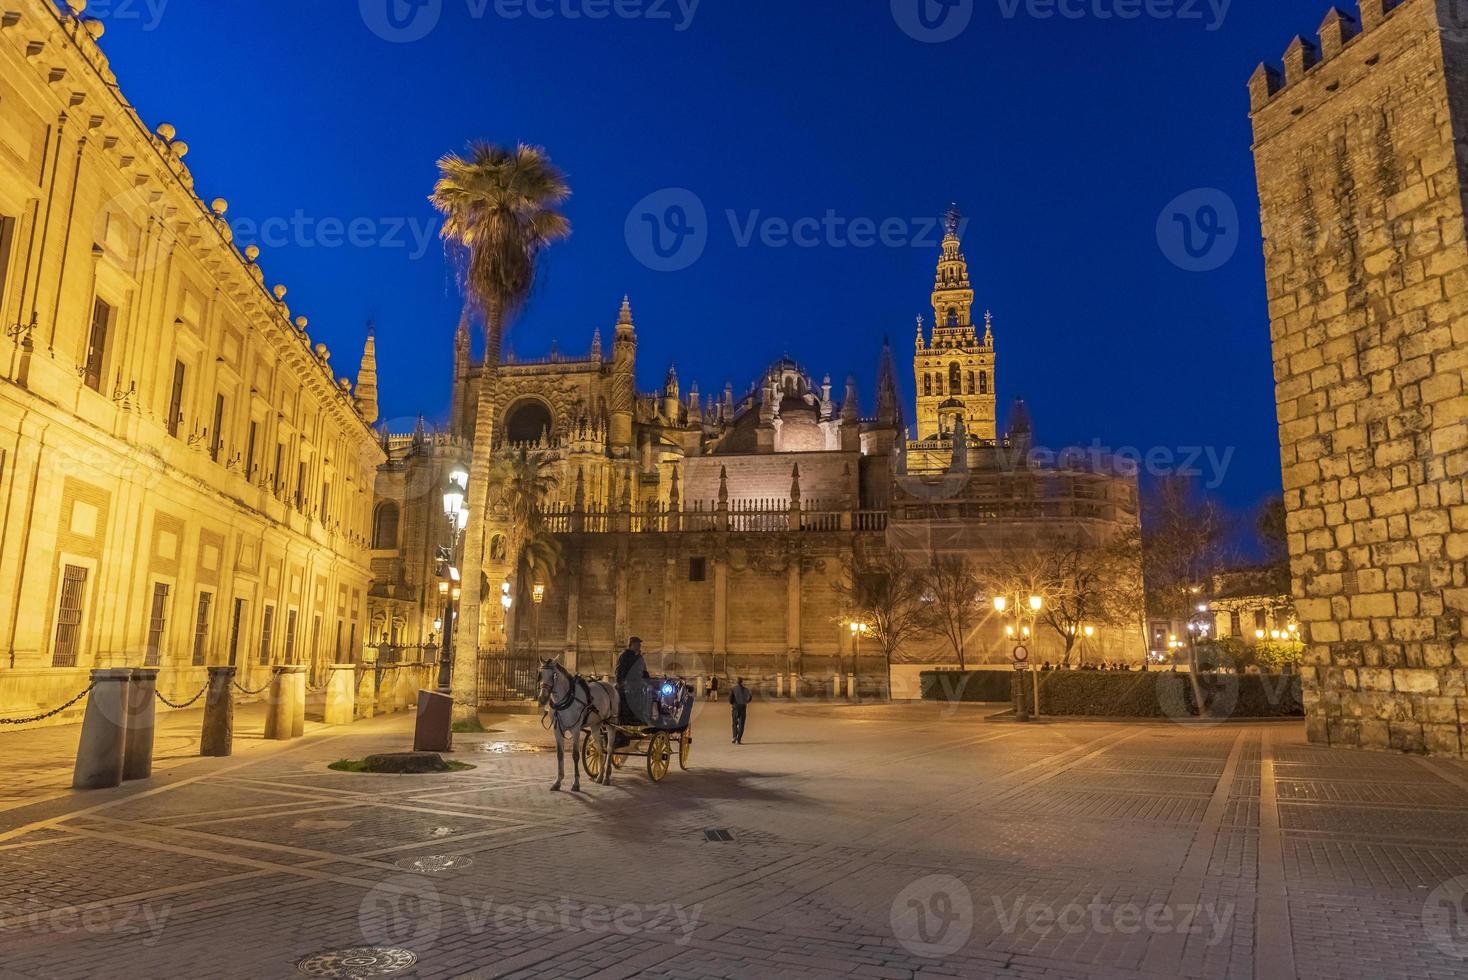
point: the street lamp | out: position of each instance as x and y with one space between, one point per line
537 596
455 491
858 630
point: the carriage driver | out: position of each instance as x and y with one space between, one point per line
632 681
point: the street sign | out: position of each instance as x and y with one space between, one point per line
1021 654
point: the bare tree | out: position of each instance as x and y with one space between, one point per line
951 586
1184 543
888 594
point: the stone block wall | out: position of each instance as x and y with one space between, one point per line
1361 187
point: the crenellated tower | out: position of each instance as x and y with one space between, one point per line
1360 148
954 371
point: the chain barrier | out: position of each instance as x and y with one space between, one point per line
49 714
187 704
248 693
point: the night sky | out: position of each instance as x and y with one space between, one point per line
1065 140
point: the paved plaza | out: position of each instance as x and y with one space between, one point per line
871 841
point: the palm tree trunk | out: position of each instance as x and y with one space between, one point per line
467 641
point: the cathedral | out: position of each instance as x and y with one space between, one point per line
720 526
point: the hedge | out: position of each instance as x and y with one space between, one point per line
973 685
1128 694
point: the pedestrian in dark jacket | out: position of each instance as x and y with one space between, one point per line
739 698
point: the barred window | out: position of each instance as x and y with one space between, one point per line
267 635
201 629
69 616
157 622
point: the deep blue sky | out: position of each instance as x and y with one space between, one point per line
1063 140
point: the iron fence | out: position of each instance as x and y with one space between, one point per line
507 675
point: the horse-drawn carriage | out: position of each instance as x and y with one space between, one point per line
600 726
656 738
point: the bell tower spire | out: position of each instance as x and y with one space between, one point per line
953 295
954 370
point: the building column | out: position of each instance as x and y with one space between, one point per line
792 616
721 607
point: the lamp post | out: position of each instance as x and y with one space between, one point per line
454 492
537 596
858 630
1024 631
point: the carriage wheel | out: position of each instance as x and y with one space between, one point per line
658 755
684 742
592 757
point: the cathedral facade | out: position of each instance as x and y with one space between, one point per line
720 526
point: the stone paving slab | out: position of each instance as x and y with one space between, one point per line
874 841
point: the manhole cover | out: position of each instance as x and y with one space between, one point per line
435 863
720 836
358 961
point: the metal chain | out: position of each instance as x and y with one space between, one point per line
49 714
187 704
248 693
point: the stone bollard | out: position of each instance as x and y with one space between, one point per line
835 685
851 693
142 718
103 744
779 685
367 692
280 711
795 686
298 702
217 739
341 694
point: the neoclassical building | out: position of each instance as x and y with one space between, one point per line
184 480
721 525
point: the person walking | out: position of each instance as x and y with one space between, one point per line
713 692
739 698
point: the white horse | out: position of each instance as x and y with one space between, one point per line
576 705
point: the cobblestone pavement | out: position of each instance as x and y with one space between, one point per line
875 841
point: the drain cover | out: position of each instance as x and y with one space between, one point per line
721 836
441 832
435 862
358 961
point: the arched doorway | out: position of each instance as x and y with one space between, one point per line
527 421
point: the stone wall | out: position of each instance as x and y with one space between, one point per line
1363 219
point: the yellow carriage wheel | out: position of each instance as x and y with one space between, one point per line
659 753
592 758
685 741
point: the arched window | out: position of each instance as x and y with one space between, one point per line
953 316
983 382
927 384
970 382
938 383
385 527
955 378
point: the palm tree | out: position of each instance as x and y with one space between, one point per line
499 207
522 484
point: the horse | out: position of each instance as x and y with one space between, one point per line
575 705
